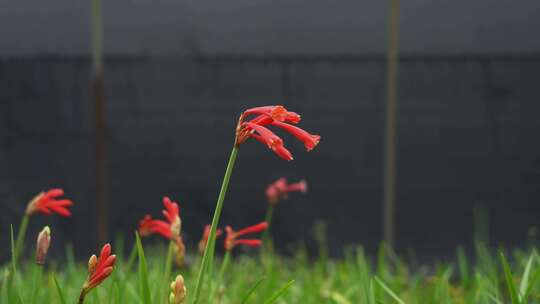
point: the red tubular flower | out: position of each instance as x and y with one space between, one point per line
48 203
169 229
309 140
276 116
205 236
99 269
149 226
231 239
280 190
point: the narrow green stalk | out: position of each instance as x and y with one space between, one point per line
208 253
37 282
20 236
166 274
131 258
224 266
268 220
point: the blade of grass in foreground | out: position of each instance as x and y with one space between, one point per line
252 290
58 289
279 293
144 287
514 297
525 279
389 291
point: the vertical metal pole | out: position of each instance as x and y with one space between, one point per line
97 63
389 194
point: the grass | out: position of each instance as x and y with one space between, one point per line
510 277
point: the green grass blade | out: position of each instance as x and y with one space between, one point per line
514 297
389 291
252 290
530 286
463 266
58 289
13 252
279 293
339 298
143 273
525 279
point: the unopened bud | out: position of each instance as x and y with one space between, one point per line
43 243
92 262
178 291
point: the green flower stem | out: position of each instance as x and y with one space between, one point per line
208 252
224 266
166 272
20 236
268 220
38 273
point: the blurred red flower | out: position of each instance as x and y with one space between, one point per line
48 203
231 239
280 189
169 229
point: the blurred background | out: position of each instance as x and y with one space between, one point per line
176 74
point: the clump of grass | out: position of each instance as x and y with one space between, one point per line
270 278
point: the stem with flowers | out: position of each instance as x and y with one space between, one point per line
256 128
208 253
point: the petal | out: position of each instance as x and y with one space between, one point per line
55 192
249 242
309 140
282 152
253 229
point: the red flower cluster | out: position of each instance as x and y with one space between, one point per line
169 229
48 203
99 268
275 116
231 240
205 236
280 189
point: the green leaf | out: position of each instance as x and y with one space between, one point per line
339 298
279 293
58 289
525 279
144 287
530 286
389 291
252 290
514 297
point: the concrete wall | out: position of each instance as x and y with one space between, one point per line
468 134
269 26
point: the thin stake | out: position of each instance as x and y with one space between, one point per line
389 194
97 62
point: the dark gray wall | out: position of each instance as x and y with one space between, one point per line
270 26
468 134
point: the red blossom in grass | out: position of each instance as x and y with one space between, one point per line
168 229
280 190
99 269
149 226
48 203
231 240
276 116
205 236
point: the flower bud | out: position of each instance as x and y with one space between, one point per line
178 291
43 243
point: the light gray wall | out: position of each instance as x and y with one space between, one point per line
270 26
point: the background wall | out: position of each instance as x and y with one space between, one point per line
178 74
